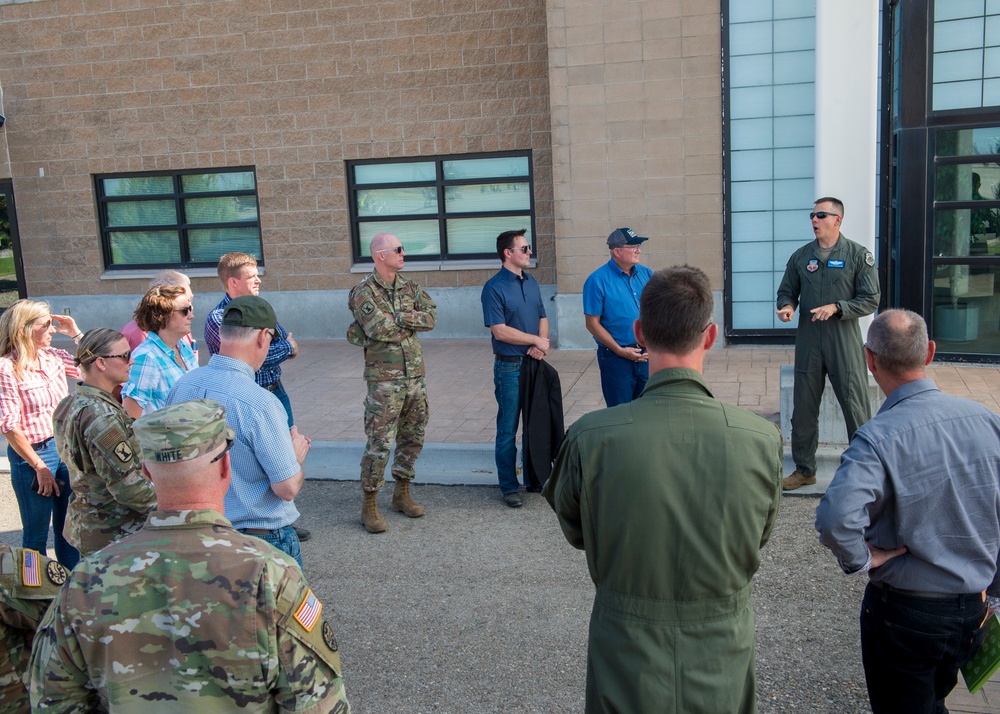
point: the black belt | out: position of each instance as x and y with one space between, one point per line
42 444
257 531
273 386
924 595
508 358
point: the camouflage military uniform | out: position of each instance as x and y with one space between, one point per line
26 589
95 441
187 615
387 318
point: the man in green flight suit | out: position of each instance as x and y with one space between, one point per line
389 310
28 582
833 282
188 614
672 496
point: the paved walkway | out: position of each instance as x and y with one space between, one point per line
327 391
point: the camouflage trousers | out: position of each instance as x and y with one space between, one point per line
394 411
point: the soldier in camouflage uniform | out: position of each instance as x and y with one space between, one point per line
28 582
188 614
95 441
388 312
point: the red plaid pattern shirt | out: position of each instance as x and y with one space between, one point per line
29 403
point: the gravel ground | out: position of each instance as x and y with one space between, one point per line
482 608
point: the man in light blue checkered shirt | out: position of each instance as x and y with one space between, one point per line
266 457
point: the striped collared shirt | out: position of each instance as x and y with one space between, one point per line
28 402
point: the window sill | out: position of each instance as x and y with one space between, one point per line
150 273
441 265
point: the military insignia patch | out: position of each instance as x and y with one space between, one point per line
870 259
328 637
124 452
56 573
31 568
812 266
308 613
368 307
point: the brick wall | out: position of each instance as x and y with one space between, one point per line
636 131
94 86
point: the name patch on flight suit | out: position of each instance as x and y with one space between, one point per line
812 266
835 264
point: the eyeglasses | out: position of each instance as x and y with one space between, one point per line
524 249
273 334
707 326
398 250
874 353
229 445
185 310
43 325
126 356
633 248
821 214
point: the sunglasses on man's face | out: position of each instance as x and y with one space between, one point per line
397 250
821 215
524 249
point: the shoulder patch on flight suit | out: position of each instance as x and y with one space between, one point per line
870 259
56 573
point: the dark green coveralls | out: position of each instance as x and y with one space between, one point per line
832 347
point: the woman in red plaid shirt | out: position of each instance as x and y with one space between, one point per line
32 382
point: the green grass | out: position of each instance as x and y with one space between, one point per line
7 265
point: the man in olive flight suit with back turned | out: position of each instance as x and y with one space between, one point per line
833 282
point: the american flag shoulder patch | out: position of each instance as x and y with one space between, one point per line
308 613
31 568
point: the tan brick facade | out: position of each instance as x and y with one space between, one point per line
97 86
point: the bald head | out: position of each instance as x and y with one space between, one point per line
898 342
381 241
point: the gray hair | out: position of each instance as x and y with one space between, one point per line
169 279
238 333
898 340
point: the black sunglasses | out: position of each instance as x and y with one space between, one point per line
822 214
524 249
398 250
229 445
274 335
185 310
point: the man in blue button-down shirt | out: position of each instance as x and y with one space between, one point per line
611 306
915 504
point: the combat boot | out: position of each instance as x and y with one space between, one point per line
374 523
402 501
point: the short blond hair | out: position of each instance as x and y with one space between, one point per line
232 264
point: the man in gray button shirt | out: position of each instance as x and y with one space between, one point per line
916 505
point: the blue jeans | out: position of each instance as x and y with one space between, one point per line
38 511
284 539
912 648
282 396
506 378
622 380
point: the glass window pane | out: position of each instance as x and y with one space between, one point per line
748 227
794 131
503 167
403 172
753 257
954 9
751 195
141 213
487 197
793 225
750 38
145 247
967 182
794 99
750 134
754 315
749 11
958 95
992 35
991 67
993 7
751 102
795 67
752 286
966 306
784 9
789 195
792 35
201 183
750 70
965 231
220 209
417 237
969 142
397 201
955 66
751 165
467 236
991 93
958 34
794 163
209 244
138 186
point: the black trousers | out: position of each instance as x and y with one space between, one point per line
913 647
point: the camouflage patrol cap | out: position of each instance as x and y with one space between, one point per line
250 311
183 431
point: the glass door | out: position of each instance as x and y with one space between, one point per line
11 268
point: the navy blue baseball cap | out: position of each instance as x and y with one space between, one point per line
624 236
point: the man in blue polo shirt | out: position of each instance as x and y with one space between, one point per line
611 306
513 310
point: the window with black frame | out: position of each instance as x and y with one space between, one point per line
441 208
184 219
